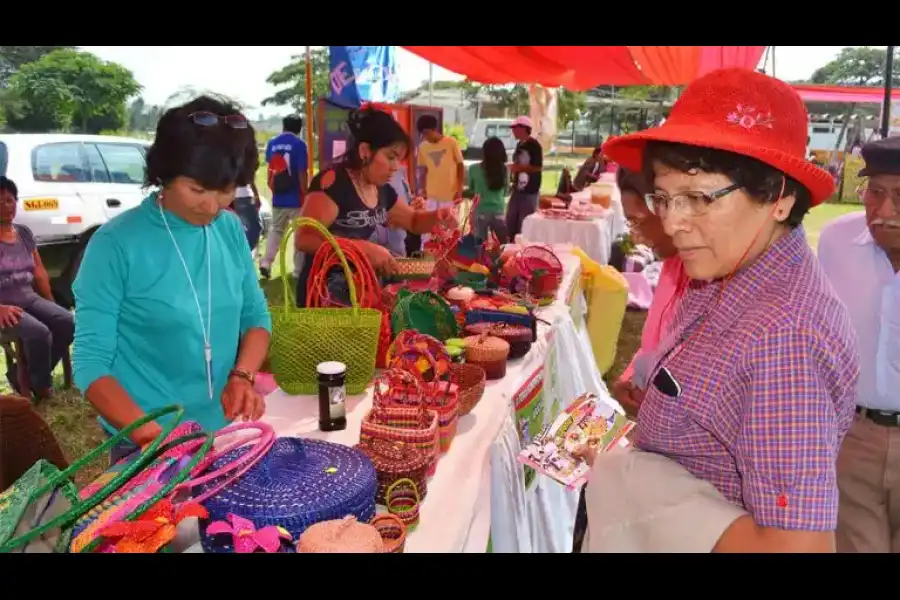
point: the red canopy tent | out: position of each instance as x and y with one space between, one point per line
584 67
834 93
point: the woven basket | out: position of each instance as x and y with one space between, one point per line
470 379
344 536
489 352
422 355
518 337
403 502
414 267
440 396
299 482
416 426
304 337
395 461
392 531
426 312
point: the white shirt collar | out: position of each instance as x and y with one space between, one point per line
865 238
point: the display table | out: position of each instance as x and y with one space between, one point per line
479 491
595 237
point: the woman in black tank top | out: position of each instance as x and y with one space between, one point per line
354 196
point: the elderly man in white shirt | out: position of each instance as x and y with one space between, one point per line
860 253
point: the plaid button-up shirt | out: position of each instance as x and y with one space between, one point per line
768 380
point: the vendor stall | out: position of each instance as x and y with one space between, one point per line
593 231
480 495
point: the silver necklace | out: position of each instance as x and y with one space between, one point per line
205 326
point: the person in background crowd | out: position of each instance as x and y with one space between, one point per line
440 157
488 179
288 174
394 238
647 228
353 197
753 388
591 170
526 167
246 206
860 254
169 309
27 310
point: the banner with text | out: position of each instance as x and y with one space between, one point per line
363 74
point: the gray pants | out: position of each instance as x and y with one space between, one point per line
520 206
495 223
46 330
281 218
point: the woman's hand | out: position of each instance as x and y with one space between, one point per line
9 315
241 401
418 203
446 216
381 258
628 395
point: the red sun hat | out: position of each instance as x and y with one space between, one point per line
740 111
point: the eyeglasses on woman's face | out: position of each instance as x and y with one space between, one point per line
693 204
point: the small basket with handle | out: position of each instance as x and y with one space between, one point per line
403 502
413 425
393 532
304 337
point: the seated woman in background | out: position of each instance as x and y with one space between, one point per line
168 306
591 170
353 197
490 181
647 228
27 310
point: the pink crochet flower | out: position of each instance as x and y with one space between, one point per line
247 538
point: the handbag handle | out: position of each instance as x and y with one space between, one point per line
295 225
81 508
142 502
261 446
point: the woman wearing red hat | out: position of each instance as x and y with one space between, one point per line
752 388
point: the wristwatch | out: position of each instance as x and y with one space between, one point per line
247 376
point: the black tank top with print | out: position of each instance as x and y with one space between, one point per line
355 220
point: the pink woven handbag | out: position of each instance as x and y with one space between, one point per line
153 480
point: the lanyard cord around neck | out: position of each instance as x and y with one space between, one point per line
205 326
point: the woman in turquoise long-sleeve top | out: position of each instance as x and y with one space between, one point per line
168 305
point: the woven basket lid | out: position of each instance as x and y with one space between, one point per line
297 483
344 536
486 348
505 331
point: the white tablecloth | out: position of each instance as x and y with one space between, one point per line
478 492
595 237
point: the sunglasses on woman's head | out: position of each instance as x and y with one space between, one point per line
205 118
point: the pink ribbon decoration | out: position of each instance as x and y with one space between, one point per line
247 539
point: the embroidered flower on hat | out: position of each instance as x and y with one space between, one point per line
748 117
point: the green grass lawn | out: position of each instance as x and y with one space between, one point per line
72 419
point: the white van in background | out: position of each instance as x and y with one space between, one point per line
486 128
70 185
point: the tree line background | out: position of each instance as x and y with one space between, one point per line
63 89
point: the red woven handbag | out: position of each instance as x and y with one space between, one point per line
364 278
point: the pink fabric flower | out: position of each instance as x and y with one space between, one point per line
247 539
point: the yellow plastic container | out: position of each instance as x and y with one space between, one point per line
606 292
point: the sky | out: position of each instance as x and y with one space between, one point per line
240 71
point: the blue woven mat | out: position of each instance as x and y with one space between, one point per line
298 483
